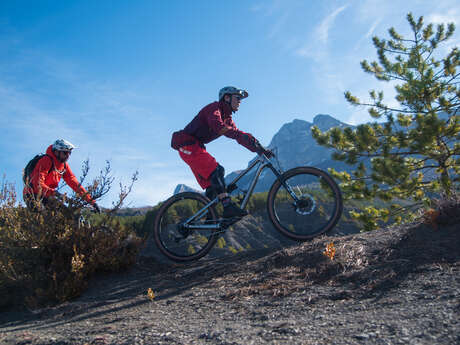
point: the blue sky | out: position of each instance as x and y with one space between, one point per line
116 78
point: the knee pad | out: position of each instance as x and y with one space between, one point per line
217 180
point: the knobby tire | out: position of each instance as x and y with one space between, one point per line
168 238
321 200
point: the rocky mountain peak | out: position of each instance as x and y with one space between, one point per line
291 130
325 122
180 188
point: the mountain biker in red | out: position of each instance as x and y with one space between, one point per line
47 173
212 121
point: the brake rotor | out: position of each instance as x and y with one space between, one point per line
306 205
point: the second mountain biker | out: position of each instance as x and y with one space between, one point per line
40 187
213 121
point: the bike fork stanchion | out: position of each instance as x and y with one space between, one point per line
284 184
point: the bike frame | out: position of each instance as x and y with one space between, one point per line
261 162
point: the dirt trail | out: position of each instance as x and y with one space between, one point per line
397 286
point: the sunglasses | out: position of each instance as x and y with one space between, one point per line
67 153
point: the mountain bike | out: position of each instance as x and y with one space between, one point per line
302 203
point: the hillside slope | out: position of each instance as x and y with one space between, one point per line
393 286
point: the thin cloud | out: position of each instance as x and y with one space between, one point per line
322 31
278 26
316 47
452 16
256 8
370 9
159 165
267 8
372 28
358 116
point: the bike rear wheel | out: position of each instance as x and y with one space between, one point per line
173 239
318 207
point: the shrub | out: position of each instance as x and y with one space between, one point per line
258 202
221 243
232 249
48 256
446 210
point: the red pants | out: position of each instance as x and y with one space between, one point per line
200 161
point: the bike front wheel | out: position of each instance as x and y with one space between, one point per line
304 202
178 236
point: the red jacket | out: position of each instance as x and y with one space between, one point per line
44 182
212 121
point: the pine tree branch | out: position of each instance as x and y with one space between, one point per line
365 178
426 167
451 105
403 209
443 143
433 63
393 109
453 78
408 40
388 50
396 77
373 155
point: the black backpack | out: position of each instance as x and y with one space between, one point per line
31 166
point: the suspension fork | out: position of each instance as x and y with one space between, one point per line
284 184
